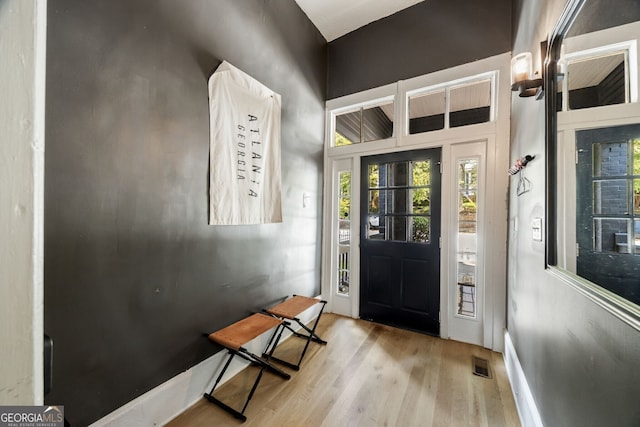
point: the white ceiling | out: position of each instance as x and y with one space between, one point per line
335 18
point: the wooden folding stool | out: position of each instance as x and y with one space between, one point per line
290 310
233 338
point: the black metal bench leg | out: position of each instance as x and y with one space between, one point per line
256 360
226 365
312 334
253 389
209 396
273 336
226 407
267 355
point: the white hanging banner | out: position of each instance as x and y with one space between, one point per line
244 185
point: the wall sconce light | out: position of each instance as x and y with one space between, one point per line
522 76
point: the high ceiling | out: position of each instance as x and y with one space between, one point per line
335 18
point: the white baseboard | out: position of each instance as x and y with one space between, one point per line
168 400
526 405
163 403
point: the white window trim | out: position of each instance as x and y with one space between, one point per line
496 133
628 48
623 37
341 303
447 87
466 328
352 103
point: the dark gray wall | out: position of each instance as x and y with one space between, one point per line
133 273
430 36
581 362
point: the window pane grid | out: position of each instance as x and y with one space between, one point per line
399 201
616 196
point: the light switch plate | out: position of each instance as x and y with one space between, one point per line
536 228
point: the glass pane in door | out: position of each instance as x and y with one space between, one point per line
420 229
399 201
376 199
610 197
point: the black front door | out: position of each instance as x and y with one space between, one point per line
608 208
399 240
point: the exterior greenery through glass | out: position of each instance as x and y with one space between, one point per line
399 197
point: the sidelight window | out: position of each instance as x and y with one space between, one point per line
344 232
467 241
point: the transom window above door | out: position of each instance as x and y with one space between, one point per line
370 123
454 105
383 116
598 77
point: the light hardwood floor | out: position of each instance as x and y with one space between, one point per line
369 375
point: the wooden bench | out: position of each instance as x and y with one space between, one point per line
234 337
290 310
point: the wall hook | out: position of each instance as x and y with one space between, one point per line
520 164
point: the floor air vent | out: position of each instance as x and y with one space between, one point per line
481 367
